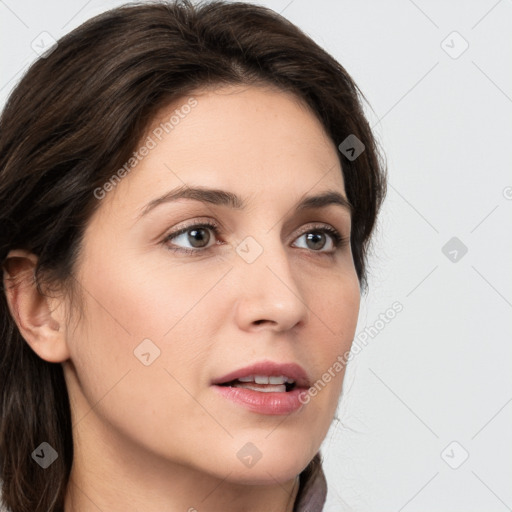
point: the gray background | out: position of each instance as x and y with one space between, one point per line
437 373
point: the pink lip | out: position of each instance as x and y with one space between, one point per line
273 403
291 370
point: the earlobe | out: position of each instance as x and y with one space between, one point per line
40 319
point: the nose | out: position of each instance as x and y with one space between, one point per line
268 291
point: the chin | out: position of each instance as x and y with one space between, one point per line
270 474
267 462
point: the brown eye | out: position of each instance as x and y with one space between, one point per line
318 237
315 241
196 236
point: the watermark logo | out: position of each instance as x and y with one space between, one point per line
249 249
455 455
351 147
44 44
249 455
146 352
454 249
454 45
45 455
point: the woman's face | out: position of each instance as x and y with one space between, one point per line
162 327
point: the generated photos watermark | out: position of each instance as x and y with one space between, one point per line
149 144
360 341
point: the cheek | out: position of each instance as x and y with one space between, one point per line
126 304
334 306
335 313
137 400
146 300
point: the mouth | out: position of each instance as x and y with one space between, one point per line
263 383
266 387
267 377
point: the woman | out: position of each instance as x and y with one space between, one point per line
187 197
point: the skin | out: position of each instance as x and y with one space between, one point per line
158 437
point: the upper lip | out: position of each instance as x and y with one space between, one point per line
271 369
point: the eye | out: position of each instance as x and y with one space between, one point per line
197 235
318 236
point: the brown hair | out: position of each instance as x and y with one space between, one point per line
77 116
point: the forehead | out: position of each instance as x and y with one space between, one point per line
248 139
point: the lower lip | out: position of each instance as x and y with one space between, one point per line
272 403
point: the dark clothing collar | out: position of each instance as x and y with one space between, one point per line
312 498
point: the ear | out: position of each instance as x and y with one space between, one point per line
40 319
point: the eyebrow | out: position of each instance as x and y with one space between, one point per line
231 200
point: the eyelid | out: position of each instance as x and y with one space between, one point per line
193 224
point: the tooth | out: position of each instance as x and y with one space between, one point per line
277 380
290 381
268 389
261 379
249 378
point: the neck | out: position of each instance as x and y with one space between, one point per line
108 476
199 496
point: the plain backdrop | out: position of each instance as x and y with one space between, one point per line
425 417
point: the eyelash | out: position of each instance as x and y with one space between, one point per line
339 241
